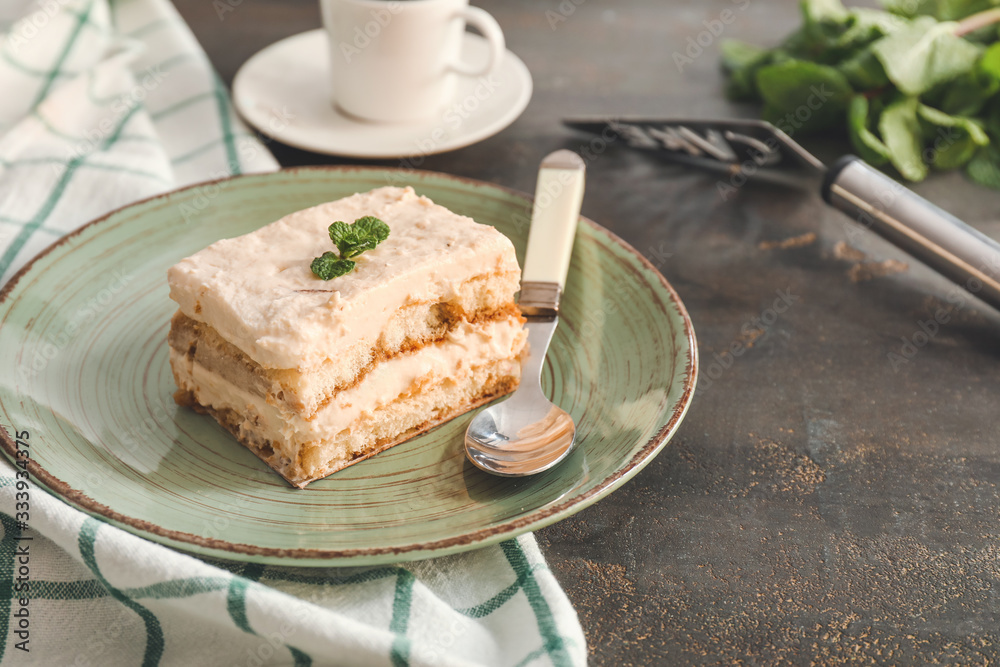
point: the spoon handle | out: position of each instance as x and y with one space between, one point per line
558 196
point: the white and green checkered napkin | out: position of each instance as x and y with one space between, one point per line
103 103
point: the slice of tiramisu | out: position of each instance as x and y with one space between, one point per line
315 374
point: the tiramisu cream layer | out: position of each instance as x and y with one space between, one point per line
314 375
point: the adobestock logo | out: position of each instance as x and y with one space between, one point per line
793 121
53 344
959 297
363 35
459 112
452 120
755 330
119 109
714 28
28 27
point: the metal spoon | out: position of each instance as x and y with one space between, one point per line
527 433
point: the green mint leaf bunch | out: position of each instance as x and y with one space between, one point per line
916 85
329 266
351 240
363 234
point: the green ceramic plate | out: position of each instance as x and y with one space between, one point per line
83 357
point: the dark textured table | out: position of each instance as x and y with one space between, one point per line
823 502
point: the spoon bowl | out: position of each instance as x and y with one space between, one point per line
526 433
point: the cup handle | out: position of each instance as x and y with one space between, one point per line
481 20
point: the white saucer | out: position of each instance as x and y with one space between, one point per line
284 91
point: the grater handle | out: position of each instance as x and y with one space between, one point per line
962 254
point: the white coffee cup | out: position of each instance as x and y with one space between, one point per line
398 61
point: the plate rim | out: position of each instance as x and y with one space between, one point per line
227 550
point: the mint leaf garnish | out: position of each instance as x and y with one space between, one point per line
372 227
348 239
351 240
330 266
364 234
